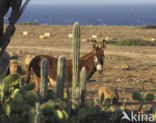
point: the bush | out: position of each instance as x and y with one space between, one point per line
28 23
148 27
132 42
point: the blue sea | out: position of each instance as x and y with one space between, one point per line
107 14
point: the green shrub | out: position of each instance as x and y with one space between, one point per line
132 42
28 23
148 27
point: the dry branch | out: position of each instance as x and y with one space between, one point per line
11 27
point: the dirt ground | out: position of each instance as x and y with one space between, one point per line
140 60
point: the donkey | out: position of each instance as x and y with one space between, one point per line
92 61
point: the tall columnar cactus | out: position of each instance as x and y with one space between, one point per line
76 56
37 116
77 97
61 77
83 79
44 78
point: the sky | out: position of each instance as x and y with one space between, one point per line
90 1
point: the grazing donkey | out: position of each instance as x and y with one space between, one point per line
92 61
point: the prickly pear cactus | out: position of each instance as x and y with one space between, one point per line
31 115
59 114
29 87
17 96
4 90
17 101
30 98
11 80
48 107
61 77
149 97
4 119
139 96
7 109
8 84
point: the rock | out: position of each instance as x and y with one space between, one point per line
110 93
19 52
15 68
70 35
4 65
119 80
152 39
108 38
47 34
25 33
94 36
116 66
125 67
27 61
13 55
85 40
108 57
42 37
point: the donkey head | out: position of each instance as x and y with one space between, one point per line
98 48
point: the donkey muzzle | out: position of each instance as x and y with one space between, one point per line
99 68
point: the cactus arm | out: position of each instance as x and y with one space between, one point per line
37 117
61 77
44 78
76 56
83 79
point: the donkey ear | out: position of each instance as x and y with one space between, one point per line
103 44
94 44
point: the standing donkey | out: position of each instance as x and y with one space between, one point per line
93 61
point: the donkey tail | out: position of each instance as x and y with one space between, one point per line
29 70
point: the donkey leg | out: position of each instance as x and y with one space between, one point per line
52 82
37 83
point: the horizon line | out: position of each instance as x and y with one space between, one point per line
108 3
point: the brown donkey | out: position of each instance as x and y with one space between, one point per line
92 61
